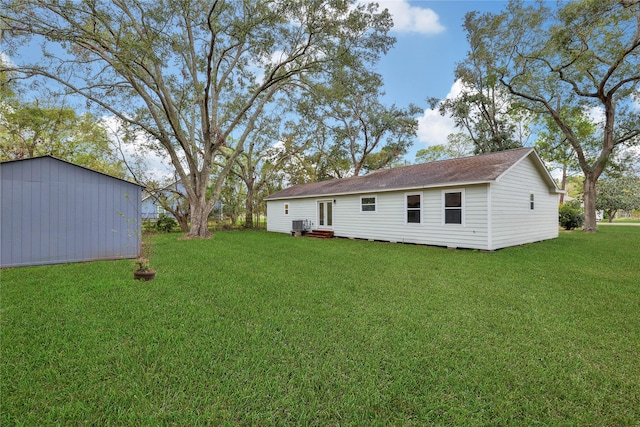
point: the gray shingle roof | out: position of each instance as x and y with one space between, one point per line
476 169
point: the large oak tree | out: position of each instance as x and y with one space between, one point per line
191 73
582 54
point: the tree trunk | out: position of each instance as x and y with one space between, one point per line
589 188
183 222
199 216
248 217
563 184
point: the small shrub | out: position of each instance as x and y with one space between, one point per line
148 225
165 223
571 215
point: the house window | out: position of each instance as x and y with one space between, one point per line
453 203
414 208
160 210
532 201
368 204
286 208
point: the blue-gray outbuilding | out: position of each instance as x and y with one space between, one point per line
53 211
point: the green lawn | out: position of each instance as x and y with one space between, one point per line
626 220
256 328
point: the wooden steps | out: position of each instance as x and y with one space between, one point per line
321 234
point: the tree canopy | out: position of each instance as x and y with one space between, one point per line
616 194
191 74
31 129
366 133
583 54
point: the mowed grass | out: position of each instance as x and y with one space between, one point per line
256 328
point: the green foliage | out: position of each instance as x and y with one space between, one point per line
618 194
487 117
458 145
435 153
256 328
553 146
571 215
30 130
355 130
484 111
165 223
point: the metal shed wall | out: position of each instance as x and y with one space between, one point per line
54 212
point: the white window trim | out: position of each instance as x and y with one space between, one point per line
375 204
287 209
532 202
462 207
406 209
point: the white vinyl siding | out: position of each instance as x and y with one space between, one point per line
389 223
514 222
299 209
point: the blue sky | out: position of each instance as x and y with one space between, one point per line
430 41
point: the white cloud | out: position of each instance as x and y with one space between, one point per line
433 128
6 60
411 19
595 114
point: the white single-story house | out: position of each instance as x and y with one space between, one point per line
53 211
487 202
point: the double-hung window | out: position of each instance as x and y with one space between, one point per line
532 201
453 207
414 208
368 204
286 208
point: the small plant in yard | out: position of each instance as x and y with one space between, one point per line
571 215
143 262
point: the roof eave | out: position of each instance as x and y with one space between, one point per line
386 190
49 156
